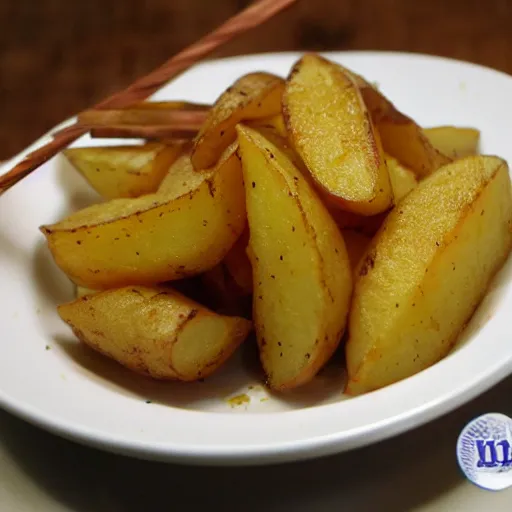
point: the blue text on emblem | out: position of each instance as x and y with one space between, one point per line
484 451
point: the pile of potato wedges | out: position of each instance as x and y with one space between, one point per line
308 210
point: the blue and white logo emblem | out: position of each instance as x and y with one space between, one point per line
484 451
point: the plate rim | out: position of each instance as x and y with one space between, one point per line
313 446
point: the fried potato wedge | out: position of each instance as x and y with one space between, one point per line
401 136
181 176
284 145
301 272
403 180
153 238
82 291
155 331
332 131
275 123
454 141
426 271
124 171
253 96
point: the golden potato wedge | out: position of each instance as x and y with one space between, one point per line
403 180
454 141
301 272
426 271
153 238
275 123
356 244
81 291
181 176
124 171
284 145
253 96
155 331
409 144
330 127
401 136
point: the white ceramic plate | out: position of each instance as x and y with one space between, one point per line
49 379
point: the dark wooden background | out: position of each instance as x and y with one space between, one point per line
60 56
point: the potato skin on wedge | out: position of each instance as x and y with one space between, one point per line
331 129
154 238
426 271
400 135
274 123
253 96
301 272
124 171
155 331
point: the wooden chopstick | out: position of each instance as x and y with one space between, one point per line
170 105
181 117
154 133
257 13
186 120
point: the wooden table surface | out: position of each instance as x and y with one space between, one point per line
59 56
